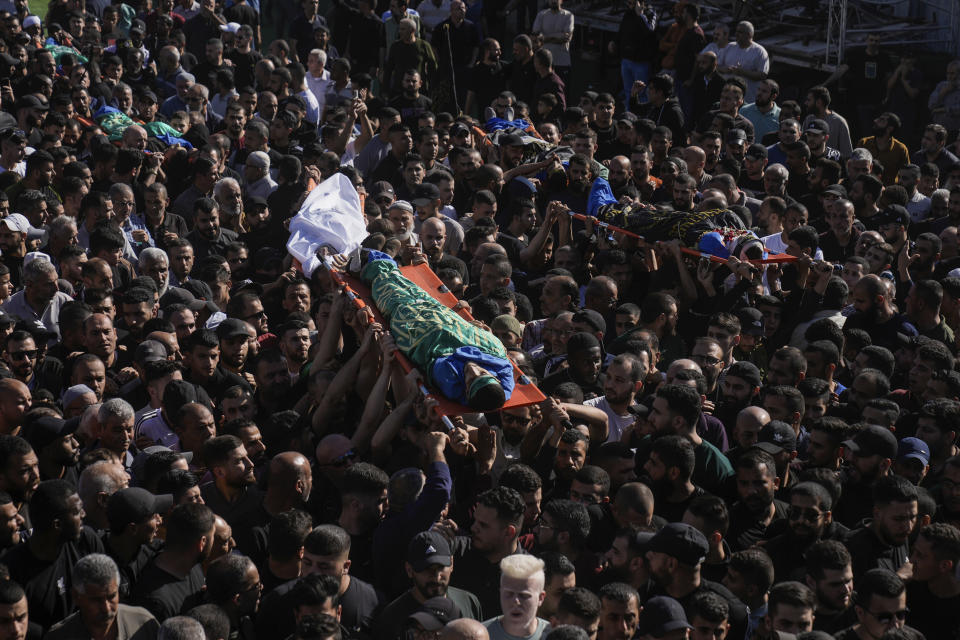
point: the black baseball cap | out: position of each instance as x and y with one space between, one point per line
756 151
134 505
232 328
661 615
426 193
894 214
45 430
751 321
873 440
681 541
428 548
435 613
775 437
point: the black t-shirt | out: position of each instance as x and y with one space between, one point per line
48 584
166 595
360 602
390 621
474 573
934 617
868 551
411 108
745 529
738 610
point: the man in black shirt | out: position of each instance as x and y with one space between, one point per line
43 563
881 606
135 516
829 574
232 494
883 542
757 509
207 237
173 581
675 555
497 521
669 468
933 595
429 565
58 451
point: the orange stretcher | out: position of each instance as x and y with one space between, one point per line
771 258
524 391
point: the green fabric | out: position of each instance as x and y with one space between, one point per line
156 129
114 124
422 328
59 50
479 383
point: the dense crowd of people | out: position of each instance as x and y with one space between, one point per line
752 410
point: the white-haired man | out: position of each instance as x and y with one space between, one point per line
99 613
522 581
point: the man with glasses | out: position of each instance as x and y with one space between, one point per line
809 521
880 606
21 355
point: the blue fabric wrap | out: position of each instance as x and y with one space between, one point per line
712 243
600 194
494 124
448 372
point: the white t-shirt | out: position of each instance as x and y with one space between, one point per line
753 58
616 423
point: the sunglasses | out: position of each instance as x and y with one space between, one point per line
887 618
24 355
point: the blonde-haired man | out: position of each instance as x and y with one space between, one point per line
521 593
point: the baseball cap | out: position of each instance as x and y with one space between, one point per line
6 319
230 27
44 430
736 136
426 193
459 129
756 151
435 613
382 188
914 448
661 615
138 26
746 371
837 190
147 94
894 214
18 222
873 440
510 140
591 318
231 328
150 351
751 321
507 322
176 295
403 205
775 437
256 201
134 505
818 125
427 548
30 101
681 541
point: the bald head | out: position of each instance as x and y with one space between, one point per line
15 401
332 447
11 387
288 467
433 225
464 629
682 364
